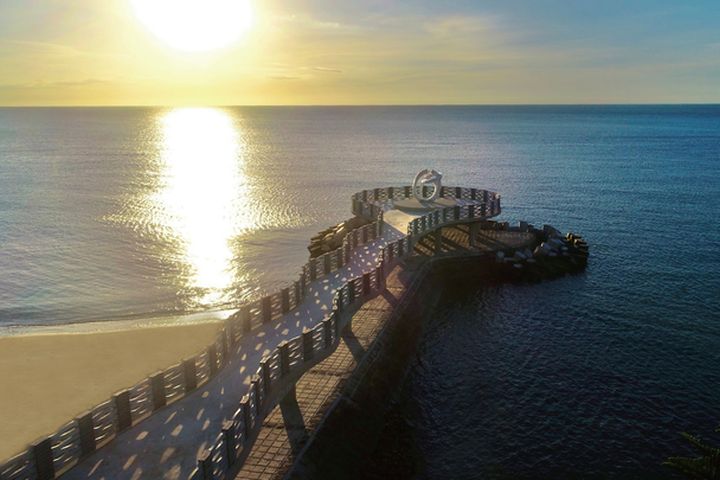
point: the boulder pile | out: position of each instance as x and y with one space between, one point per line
332 238
554 254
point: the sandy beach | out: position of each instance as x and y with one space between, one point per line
49 378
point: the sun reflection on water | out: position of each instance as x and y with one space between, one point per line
201 192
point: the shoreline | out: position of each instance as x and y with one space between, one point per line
117 325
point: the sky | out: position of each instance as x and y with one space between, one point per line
333 52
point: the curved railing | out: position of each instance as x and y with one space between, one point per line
53 455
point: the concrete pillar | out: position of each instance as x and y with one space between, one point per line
157 390
212 359
285 299
247 418
474 229
86 432
122 407
284 351
313 269
228 433
307 343
327 330
366 284
255 387
265 372
297 293
245 319
190 373
205 465
266 309
42 453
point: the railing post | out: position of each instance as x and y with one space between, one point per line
401 248
298 301
190 374
308 347
351 292
391 192
267 309
223 347
245 319
347 249
86 432
205 465
327 267
284 351
473 194
157 390
42 453
336 320
456 212
379 274
303 284
212 359
255 385
327 330
247 420
438 241
228 433
458 192
339 302
285 299
471 211
366 283
122 407
265 372
313 269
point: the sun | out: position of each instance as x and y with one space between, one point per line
195 25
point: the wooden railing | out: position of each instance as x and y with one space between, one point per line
51 456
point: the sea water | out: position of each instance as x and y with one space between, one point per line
110 214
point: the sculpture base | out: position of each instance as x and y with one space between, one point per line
413 204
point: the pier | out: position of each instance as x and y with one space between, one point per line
211 415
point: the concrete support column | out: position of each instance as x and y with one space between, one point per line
474 229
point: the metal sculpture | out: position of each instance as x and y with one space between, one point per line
427 178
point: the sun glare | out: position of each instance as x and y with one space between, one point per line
195 25
202 196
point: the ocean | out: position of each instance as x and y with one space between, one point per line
155 215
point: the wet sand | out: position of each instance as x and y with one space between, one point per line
49 378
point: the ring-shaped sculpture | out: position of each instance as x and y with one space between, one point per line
427 178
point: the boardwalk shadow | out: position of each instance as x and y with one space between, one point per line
294 422
353 344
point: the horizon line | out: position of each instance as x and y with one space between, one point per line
252 105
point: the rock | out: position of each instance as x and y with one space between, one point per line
523 226
551 231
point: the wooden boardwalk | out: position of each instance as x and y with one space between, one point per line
287 429
184 436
